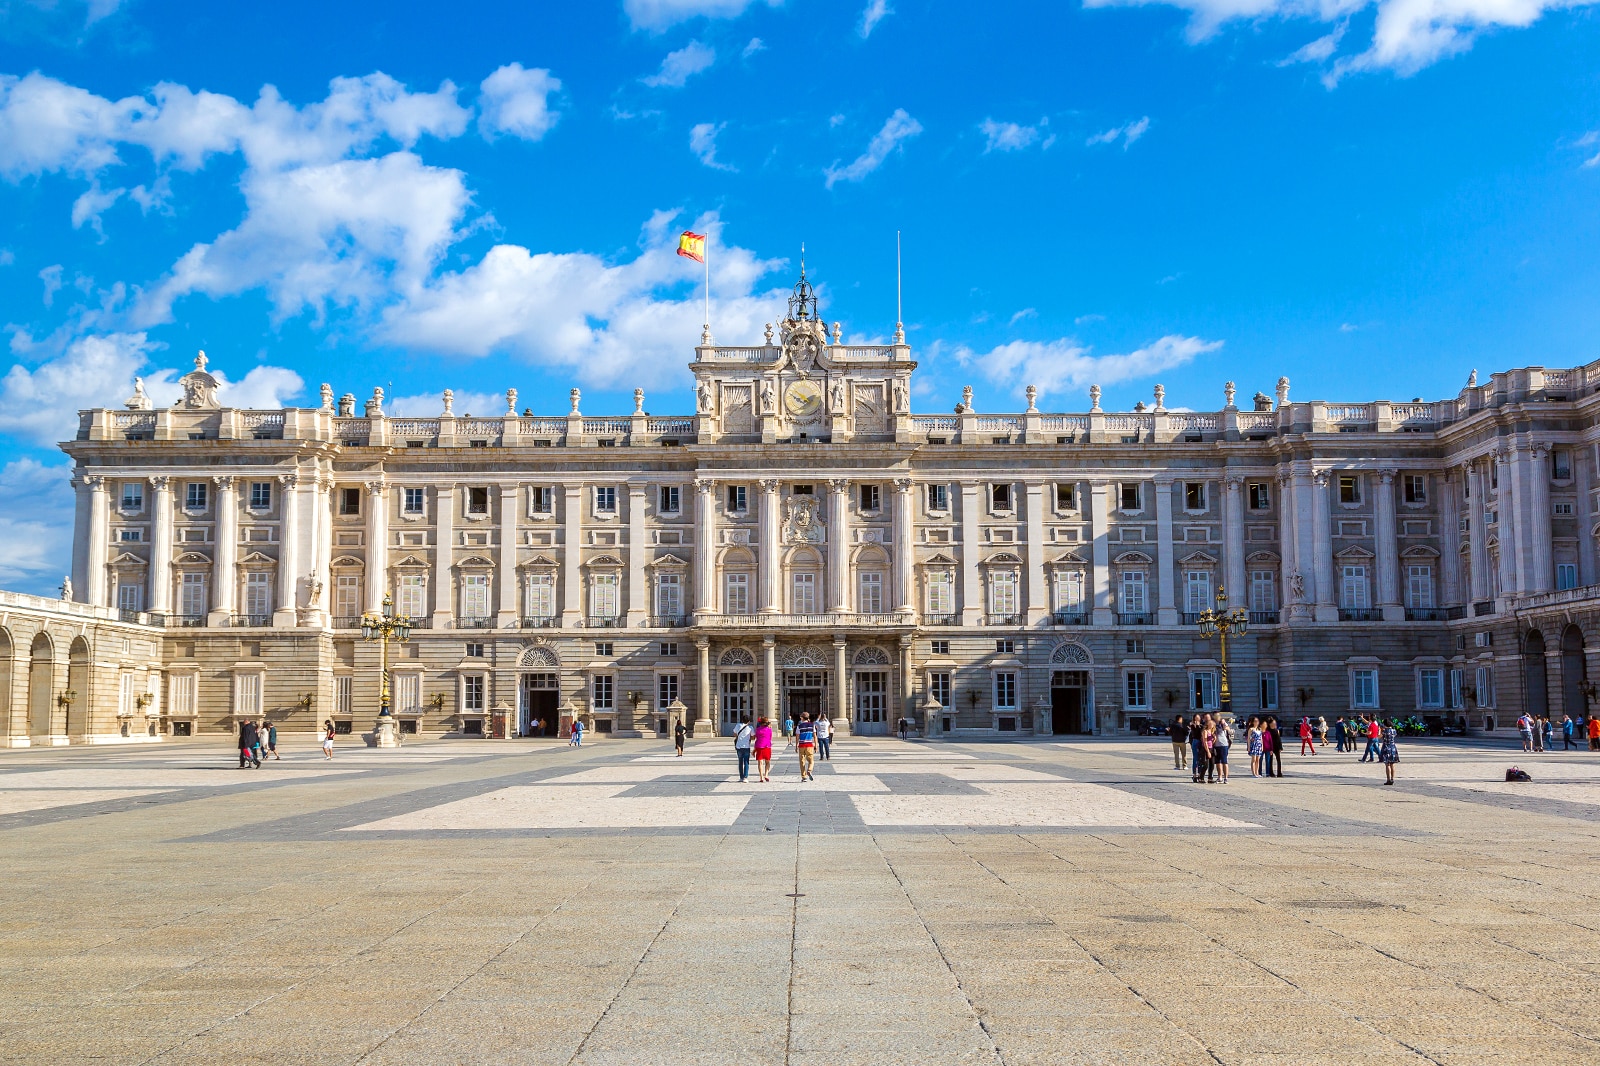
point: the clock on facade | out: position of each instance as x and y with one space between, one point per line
803 399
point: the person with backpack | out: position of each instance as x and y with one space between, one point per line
741 745
1525 730
824 738
248 740
805 745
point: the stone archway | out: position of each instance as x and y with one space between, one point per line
1574 673
6 651
41 668
1536 683
78 684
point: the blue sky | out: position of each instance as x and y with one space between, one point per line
1371 198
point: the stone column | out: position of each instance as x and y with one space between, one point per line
1388 544
769 682
638 553
572 556
1513 525
1233 540
841 709
1296 604
1583 481
971 549
99 540
322 550
1477 534
1166 601
80 538
1322 549
1038 594
1100 551
288 552
223 577
839 597
702 717
444 554
160 575
505 615
1505 527
770 587
907 702
377 544
705 548
1534 527
905 550
1450 540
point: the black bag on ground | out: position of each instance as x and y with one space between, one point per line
1515 774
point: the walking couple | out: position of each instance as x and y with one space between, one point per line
809 736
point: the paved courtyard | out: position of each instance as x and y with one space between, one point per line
1000 903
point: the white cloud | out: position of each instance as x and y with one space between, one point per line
899 128
517 102
1008 136
876 11
36 540
1026 312
1589 140
659 14
92 204
1065 365
51 276
1128 132
756 45
1318 51
703 143
1407 34
678 67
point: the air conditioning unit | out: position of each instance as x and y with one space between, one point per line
1483 640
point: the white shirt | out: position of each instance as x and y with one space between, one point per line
741 739
824 728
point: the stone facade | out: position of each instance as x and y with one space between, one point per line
804 541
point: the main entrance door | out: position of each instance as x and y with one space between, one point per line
805 701
540 697
872 702
738 698
1069 692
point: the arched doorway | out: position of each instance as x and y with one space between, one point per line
41 662
1535 682
78 684
1574 672
5 683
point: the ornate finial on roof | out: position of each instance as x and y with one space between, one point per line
138 401
200 360
803 301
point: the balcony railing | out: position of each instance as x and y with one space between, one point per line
474 622
347 621
667 621
539 621
603 621
1263 618
184 621
1071 618
1003 619
1135 618
1482 608
941 619
792 621
125 615
1360 614
250 620
1191 618
1427 614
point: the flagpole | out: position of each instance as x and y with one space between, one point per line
707 265
899 316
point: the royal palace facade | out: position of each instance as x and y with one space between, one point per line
803 541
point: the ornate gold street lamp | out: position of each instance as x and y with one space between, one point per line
383 628
1224 623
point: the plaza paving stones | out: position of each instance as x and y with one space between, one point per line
1021 903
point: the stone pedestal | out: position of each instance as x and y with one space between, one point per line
386 733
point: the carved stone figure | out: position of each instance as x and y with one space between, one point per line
1297 586
767 398
326 393
801 523
836 396
902 397
837 333
449 403
138 401
704 395
66 588
199 387
1262 401
1283 391
315 594
1472 379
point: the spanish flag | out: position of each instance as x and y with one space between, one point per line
692 245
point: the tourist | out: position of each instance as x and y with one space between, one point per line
1306 740
1274 745
1341 735
824 737
1373 733
763 743
741 746
1549 733
1388 754
1219 749
272 741
576 739
788 725
537 728
1567 729
1197 752
1322 731
261 740
805 745
1252 742
1525 730
247 745
327 739
1179 732
678 733
1594 733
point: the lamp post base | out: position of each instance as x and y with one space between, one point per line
386 734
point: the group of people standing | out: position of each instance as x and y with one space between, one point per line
811 739
1202 744
258 740
1538 734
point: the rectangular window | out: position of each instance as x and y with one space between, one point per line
1130 496
1430 688
1269 690
939 687
130 536
1138 690
668 499
248 691
474 595
605 499
130 597
1133 589
1194 495
604 688
938 498
1353 589
413 501
260 495
342 703
737 600
1260 496
472 693
133 495
604 648
869 497
666 691
1197 591
474 651
938 647
1071 591
257 593
870 594
1560 465
603 596
805 593
1455 687
1005 646
541 499
192 595
1485 686
736 499
1263 590
1561 509
411 595
180 693
1416 488
478 500
1003 593
1566 576
1134 647
1363 688
1005 690
540 596
941 595
1066 497
669 647
1203 690
194 496
1419 587
669 595
1000 497
407 694
1349 489
349 501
